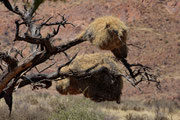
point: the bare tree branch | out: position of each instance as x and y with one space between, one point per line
17 70
1 68
12 62
140 74
15 10
35 78
134 46
47 67
39 58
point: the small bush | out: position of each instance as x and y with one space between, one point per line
75 109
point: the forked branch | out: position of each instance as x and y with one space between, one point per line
40 56
138 73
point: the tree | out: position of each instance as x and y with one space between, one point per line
14 73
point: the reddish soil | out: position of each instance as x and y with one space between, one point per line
159 39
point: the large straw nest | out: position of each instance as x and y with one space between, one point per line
98 87
107 33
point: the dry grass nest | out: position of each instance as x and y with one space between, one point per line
100 86
108 33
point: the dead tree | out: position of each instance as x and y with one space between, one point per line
16 69
14 72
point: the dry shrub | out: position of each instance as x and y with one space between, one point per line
100 86
133 116
108 33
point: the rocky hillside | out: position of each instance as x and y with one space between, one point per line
154 26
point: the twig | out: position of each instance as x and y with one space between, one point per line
47 67
66 55
134 46
1 68
132 82
37 69
141 72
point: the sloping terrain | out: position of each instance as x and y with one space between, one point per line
154 26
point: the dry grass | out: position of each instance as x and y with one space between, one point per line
50 106
144 109
45 106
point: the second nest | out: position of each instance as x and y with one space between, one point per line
101 86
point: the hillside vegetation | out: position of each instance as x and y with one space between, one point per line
154 26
